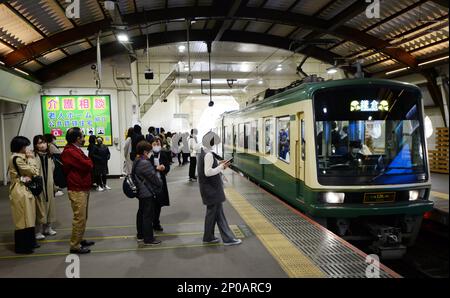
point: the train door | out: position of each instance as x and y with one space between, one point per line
300 154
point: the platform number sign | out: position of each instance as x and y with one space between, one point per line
92 113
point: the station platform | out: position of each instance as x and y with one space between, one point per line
439 195
278 241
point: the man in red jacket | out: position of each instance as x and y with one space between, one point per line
78 168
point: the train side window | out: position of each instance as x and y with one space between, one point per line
253 140
302 129
241 134
246 134
283 138
268 136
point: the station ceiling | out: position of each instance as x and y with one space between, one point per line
36 36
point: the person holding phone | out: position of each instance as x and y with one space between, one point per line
212 193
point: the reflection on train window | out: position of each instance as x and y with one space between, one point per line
246 134
268 136
241 135
303 138
283 138
253 141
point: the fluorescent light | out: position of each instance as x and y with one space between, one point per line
122 37
397 70
332 70
434 60
260 81
181 48
279 68
21 71
2 63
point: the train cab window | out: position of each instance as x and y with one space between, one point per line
268 136
373 136
283 138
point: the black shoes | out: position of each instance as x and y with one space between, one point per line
81 251
85 243
153 243
158 228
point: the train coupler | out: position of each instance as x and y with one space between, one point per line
388 243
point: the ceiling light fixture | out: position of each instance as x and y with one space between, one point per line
397 70
279 67
332 70
181 48
21 71
434 60
122 37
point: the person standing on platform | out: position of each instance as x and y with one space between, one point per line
185 149
45 202
161 163
78 168
212 193
58 173
90 150
22 168
193 143
151 134
135 139
148 182
128 163
100 156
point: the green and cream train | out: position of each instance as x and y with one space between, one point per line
351 154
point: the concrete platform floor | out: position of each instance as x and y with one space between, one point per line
111 224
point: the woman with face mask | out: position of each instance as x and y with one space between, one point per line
45 202
162 164
100 157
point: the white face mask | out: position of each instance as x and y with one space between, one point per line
157 149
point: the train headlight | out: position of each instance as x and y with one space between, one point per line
414 195
334 197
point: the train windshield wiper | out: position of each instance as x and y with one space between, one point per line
383 172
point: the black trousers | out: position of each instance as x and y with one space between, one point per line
100 179
24 240
156 214
185 158
179 158
192 167
144 220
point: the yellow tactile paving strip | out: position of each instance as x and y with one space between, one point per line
293 262
440 195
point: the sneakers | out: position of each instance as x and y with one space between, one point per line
193 179
153 243
40 236
139 240
49 231
234 242
80 251
99 189
59 193
215 240
107 187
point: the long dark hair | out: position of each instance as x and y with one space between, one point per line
130 132
36 140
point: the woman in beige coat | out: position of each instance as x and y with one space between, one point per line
23 205
45 202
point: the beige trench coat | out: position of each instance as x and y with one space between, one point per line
23 205
45 203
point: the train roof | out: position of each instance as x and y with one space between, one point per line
306 90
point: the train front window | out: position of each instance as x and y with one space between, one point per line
369 135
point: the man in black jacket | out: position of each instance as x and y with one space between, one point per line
149 185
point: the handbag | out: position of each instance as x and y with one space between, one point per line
36 185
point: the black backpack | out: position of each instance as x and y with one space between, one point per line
36 185
129 187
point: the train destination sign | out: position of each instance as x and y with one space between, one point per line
369 106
